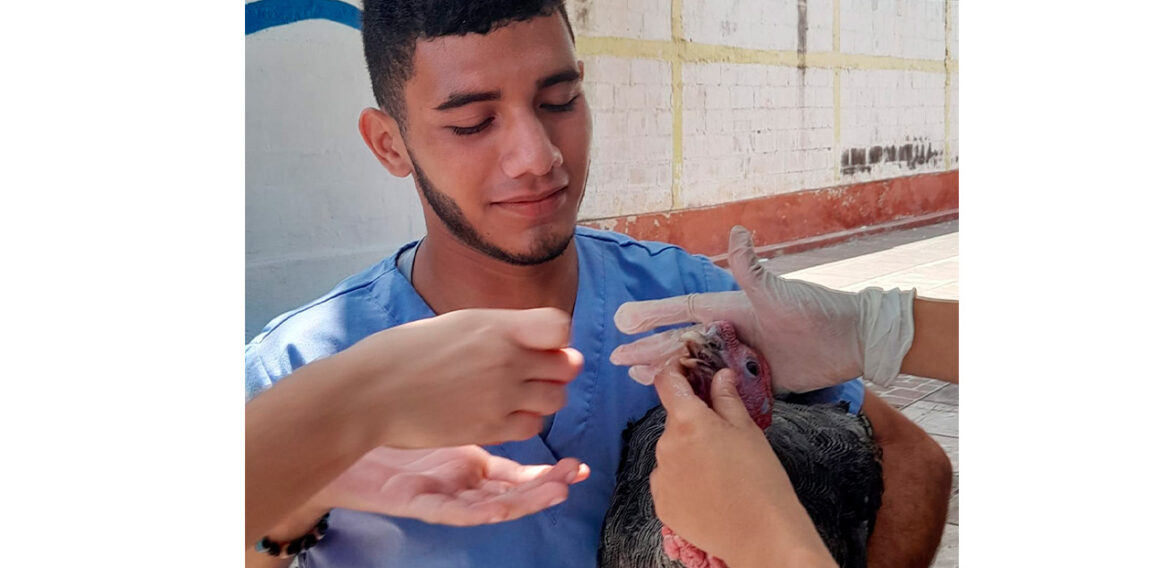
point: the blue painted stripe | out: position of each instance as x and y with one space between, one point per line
265 14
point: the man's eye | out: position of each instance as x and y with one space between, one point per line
562 108
469 130
753 368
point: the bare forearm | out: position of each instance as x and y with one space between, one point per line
300 435
917 477
935 350
786 553
786 537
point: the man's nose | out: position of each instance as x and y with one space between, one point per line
530 150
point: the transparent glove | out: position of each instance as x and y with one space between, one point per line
812 336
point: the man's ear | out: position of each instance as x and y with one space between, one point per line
384 137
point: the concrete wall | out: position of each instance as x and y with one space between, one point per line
319 206
697 103
763 97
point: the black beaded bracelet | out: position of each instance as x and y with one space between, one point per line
297 545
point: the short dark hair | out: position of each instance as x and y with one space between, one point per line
390 29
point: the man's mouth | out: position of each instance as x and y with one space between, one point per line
537 205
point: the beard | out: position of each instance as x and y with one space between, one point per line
547 246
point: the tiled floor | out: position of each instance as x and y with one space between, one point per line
926 258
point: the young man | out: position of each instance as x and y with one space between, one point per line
481 102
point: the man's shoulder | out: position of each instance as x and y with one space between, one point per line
613 242
360 305
352 293
655 267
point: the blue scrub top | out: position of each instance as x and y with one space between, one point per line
613 269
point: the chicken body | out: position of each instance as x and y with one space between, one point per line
828 453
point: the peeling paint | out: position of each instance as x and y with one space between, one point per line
607 224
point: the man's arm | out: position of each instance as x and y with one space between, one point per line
917 477
935 350
402 387
299 435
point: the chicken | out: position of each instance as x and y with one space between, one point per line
828 453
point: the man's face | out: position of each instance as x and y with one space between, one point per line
498 130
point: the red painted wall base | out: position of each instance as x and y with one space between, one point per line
803 220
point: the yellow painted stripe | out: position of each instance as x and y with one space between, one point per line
676 106
676 20
707 53
690 52
947 89
874 62
626 47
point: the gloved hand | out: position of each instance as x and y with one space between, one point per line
812 336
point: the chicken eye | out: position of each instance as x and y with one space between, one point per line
753 368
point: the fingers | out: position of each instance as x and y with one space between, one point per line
538 328
652 349
504 469
521 501
502 499
725 399
520 425
644 374
636 317
560 365
745 265
542 397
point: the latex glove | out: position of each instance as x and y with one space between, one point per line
460 486
718 484
812 336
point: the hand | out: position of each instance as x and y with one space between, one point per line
468 377
812 336
718 483
460 486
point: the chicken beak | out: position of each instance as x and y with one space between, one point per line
694 342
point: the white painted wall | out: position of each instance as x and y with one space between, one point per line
319 206
754 130
633 145
639 19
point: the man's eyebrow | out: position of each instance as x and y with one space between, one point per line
458 99
566 76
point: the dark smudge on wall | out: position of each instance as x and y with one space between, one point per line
914 153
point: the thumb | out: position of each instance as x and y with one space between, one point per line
745 265
725 399
675 392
